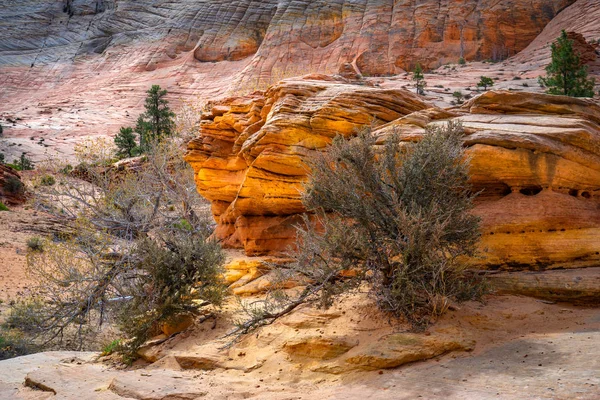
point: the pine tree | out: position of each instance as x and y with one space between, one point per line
485 82
142 128
125 142
157 122
566 74
419 79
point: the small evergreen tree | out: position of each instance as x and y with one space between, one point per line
419 79
125 142
485 82
157 122
566 74
23 163
458 96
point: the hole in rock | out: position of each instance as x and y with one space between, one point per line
586 195
531 190
573 192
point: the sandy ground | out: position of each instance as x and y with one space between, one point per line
525 349
16 227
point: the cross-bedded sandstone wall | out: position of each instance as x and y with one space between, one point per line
379 36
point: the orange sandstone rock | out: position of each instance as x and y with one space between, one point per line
535 158
249 158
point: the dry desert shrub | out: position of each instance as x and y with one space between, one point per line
398 218
135 252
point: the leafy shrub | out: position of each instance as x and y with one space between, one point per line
47 180
400 220
111 347
66 170
23 163
458 95
35 243
13 345
175 277
138 253
461 61
3 207
485 82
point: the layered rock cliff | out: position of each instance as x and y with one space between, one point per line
535 157
380 36
76 68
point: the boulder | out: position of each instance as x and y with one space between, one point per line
318 347
394 350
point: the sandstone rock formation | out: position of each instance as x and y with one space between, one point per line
536 159
249 157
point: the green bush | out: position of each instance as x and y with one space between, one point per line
458 95
13 344
3 207
169 285
137 255
111 347
461 61
47 180
23 163
485 82
66 170
35 243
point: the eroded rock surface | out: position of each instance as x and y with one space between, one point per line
535 157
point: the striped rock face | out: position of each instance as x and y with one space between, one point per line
536 159
76 68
